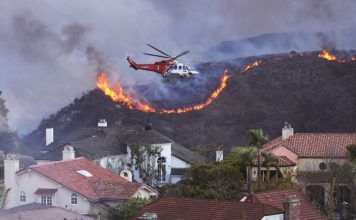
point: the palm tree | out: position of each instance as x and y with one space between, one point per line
248 157
269 160
257 139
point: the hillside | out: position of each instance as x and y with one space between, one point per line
313 94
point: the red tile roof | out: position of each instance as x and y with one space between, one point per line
102 185
276 199
194 208
283 161
315 145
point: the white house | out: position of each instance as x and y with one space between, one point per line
75 184
110 146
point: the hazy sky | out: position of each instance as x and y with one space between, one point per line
51 51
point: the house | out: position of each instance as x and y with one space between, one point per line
110 146
35 211
314 160
172 208
75 184
292 201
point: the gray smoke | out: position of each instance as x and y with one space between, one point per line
51 51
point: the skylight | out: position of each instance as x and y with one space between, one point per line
84 173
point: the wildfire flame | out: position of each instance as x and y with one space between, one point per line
250 66
327 55
117 94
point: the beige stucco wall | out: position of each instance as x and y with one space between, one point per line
312 164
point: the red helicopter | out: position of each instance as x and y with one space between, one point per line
170 67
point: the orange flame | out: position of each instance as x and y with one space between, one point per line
117 94
353 58
250 66
327 55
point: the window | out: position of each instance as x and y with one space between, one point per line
180 67
161 169
175 67
46 200
184 68
323 166
74 199
22 196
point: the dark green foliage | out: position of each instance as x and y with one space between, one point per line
351 149
224 179
8 139
127 209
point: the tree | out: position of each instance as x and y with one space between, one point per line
8 139
351 152
208 151
224 179
3 115
257 139
127 209
269 160
243 157
4 192
144 160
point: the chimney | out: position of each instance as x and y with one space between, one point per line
102 123
49 136
287 131
292 208
68 152
126 174
11 166
219 155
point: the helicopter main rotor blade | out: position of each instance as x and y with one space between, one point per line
181 54
155 55
159 50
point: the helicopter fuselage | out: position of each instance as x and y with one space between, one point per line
169 68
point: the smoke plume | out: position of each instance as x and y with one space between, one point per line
52 51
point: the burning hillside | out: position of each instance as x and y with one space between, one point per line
311 92
117 94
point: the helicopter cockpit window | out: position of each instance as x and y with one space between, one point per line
175 67
188 68
180 67
184 68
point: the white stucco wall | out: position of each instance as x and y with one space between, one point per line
30 181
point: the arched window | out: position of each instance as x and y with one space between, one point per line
161 169
22 196
74 199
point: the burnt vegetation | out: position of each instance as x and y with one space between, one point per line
313 94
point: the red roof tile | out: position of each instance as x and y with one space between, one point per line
283 161
103 184
315 145
276 199
193 208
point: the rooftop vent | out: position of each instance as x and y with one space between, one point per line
84 173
